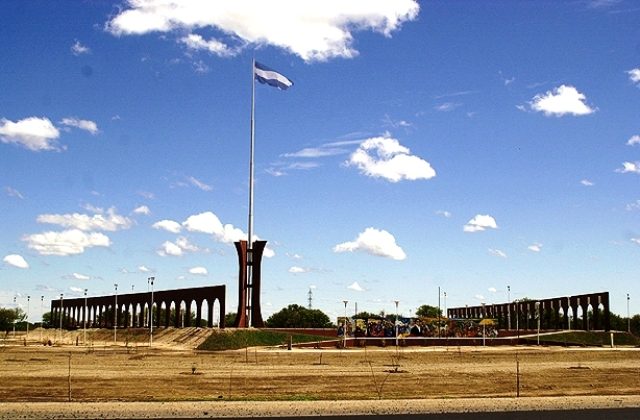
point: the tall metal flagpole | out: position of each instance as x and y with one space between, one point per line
251 176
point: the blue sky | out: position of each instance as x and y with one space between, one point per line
464 145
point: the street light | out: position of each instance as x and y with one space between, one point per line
42 316
84 340
508 307
344 326
396 302
61 313
628 316
150 281
28 299
115 315
538 317
16 317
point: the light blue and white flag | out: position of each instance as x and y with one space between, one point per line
264 74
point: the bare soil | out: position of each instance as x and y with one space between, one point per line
103 372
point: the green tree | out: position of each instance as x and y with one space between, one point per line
229 319
429 311
46 320
10 316
296 316
367 315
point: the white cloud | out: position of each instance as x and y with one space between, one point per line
199 184
170 249
384 157
209 223
78 49
197 42
109 222
479 297
535 247
298 270
198 271
444 213
355 286
168 225
313 31
142 210
67 242
79 276
85 125
633 206
12 192
633 140
375 242
75 289
635 241
16 260
480 222
144 269
492 290
497 253
634 75
587 183
629 168
33 133
447 106
562 100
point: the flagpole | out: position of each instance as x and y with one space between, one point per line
251 176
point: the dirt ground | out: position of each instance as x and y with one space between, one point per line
99 373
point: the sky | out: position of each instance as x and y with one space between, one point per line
461 146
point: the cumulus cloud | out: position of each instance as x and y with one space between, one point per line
78 49
634 75
67 242
634 140
198 271
312 31
629 168
85 125
78 276
33 133
374 242
144 269
177 248
355 286
15 260
497 253
298 270
561 101
209 223
142 210
480 222
111 221
587 183
168 225
75 289
384 157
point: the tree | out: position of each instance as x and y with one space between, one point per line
296 316
429 311
10 316
46 320
230 319
367 315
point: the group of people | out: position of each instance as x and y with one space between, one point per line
416 327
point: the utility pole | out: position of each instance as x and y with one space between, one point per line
508 307
150 282
115 316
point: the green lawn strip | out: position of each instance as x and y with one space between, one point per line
233 340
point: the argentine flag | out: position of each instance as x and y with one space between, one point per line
264 74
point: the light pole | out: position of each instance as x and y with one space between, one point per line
439 312
61 313
41 315
628 316
344 327
509 307
518 318
16 318
484 324
396 302
115 315
84 317
28 299
150 281
538 317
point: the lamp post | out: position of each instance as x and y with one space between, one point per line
84 318
484 324
16 318
150 281
28 299
508 307
344 327
518 318
396 302
41 315
628 316
115 315
61 313
538 318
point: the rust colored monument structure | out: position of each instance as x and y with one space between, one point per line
249 261
134 309
553 313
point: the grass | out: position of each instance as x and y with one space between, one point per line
238 339
587 338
